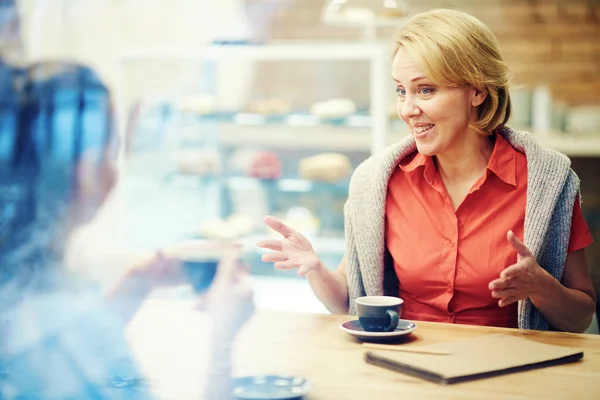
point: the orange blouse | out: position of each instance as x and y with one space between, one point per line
444 259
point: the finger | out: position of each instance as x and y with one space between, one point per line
243 267
169 263
289 264
303 270
270 244
507 301
227 270
243 288
150 263
500 284
161 268
508 292
512 272
160 255
202 248
273 257
234 244
279 226
201 303
520 248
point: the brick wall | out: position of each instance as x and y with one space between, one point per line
554 42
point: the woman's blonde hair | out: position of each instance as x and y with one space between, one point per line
456 49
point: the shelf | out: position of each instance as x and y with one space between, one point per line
283 185
290 185
367 133
376 54
313 51
343 138
572 145
361 119
319 138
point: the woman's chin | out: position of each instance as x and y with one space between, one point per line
426 149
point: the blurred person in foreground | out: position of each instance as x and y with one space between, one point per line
467 220
61 337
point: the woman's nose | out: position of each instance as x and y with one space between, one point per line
408 109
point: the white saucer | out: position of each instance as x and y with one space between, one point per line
353 328
270 387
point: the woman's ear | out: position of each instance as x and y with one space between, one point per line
478 97
86 176
95 179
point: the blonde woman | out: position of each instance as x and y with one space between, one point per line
467 220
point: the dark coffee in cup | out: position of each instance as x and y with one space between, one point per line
200 259
378 313
200 272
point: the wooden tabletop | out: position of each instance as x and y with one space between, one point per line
170 342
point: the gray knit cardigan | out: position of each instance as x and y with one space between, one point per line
552 187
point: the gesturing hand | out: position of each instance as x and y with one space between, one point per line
521 280
293 251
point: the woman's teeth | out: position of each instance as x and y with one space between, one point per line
421 129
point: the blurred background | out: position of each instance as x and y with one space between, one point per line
232 109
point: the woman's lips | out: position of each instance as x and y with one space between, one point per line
421 132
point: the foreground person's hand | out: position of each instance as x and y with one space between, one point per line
229 300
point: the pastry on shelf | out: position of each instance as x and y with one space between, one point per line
301 219
393 13
326 167
260 164
201 162
270 107
265 165
356 14
198 104
359 13
241 158
333 109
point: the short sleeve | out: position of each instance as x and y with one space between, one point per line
580 233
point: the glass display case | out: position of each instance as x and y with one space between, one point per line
234 166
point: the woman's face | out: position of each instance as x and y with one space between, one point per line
437 116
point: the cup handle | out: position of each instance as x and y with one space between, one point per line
393 320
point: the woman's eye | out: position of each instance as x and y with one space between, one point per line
426 90
401 91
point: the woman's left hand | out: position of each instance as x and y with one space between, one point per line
158 270
164 268
522 280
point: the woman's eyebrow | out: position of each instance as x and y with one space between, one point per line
418 78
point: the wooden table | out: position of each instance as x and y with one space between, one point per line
170 342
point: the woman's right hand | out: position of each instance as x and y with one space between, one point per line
229 300
293 251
